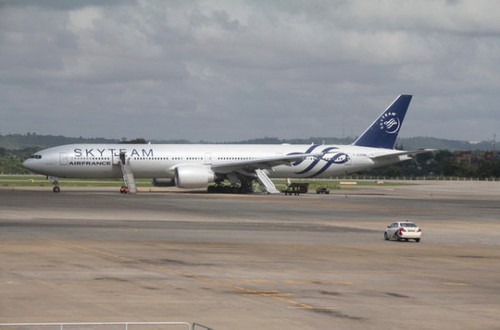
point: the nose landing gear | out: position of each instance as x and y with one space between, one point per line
55 184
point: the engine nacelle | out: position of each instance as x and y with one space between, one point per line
162 182
193 176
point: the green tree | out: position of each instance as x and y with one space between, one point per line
135 141
488 168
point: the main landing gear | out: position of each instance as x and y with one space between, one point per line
243 186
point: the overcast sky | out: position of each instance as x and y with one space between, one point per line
235 70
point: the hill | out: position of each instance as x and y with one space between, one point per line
33 140
412 143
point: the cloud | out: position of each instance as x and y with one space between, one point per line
231 70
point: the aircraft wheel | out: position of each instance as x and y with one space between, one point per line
56 189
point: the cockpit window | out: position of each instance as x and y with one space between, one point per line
36 156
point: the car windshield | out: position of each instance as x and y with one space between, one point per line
408 224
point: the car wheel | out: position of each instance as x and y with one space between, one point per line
417 240
386 237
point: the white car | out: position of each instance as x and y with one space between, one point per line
403 230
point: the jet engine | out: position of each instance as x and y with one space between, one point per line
193 176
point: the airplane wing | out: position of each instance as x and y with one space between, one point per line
260 163
409 154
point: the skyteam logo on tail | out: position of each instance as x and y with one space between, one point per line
389 123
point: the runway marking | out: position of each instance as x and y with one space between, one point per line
282 297
316 282
248 280
317 308
455 284
276 295
319 282
272 294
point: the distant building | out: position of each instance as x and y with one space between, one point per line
464 156
490 155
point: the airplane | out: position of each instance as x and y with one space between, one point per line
199 165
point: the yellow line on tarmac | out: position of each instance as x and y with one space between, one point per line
455 284
276 295
316 282
319 282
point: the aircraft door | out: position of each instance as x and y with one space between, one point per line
123 157
116 157
349 161
207 158
64 158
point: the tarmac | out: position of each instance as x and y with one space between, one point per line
253 261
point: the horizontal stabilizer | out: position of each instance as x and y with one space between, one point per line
401 153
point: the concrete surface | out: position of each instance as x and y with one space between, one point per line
253 261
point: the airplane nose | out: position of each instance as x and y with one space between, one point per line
28 163
33 164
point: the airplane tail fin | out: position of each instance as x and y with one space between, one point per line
384 131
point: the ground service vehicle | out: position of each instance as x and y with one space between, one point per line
296 189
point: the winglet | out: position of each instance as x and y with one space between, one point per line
384 131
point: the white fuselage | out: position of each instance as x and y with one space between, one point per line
160 160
